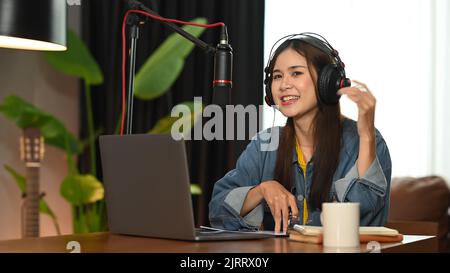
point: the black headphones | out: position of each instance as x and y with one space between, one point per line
331 77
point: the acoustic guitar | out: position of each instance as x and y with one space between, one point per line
32 153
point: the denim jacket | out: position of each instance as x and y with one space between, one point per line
256 165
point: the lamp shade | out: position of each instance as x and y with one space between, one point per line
33 24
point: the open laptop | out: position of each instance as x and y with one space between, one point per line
147 189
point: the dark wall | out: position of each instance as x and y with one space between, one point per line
208 160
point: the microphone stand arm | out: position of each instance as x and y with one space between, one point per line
134 22
134 4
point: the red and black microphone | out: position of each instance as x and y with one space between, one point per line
223 70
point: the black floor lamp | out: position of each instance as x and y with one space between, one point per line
33 25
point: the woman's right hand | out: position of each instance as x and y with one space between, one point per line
279 200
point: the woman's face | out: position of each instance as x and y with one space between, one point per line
293 87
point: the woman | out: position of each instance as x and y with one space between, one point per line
321 157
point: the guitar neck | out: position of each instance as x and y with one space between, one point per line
31 213
32 152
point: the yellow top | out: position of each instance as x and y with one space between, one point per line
302 163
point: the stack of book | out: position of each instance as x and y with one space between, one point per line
313 234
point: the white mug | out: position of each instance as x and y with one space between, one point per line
340 223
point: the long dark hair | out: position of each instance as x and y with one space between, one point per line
327 130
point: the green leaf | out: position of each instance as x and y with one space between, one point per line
164 125
196 189
79 220
26 115
90 217
164 66
96 216
82 189
20 180
44 208
77 61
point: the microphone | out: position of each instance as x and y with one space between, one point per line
223 66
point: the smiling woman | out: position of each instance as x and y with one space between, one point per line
322 156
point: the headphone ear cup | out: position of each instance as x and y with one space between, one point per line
268 82
268 101
269 98
328 84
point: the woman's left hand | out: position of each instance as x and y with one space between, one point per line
365 101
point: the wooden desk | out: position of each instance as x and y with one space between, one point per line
107 242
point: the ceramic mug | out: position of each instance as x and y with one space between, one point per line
340 223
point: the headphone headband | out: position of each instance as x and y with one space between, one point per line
314 39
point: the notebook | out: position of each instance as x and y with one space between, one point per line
366 230
147 189
313 234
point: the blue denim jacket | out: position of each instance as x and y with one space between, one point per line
256 165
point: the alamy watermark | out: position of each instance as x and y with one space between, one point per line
73 2
74 246
373 247
222 125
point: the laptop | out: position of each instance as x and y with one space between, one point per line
147 189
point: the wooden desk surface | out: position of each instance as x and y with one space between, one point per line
107 242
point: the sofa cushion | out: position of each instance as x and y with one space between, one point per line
419 199
425 199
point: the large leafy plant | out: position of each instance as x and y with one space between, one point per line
85 192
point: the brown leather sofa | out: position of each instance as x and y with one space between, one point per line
420 206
